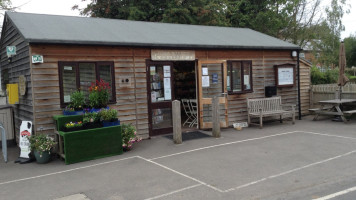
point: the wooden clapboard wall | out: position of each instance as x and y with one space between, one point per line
20 65
129 63
305 83
132 96
263 62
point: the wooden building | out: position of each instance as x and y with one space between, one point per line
147 64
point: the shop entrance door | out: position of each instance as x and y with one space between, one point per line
160 96
211 83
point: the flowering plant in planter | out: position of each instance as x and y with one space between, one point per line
41 143
129 136
73 126
91 120
99 94
109 117
77 100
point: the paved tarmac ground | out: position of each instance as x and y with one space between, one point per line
308 160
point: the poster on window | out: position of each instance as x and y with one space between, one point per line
66 98
285 76
167 71
247 81
167 83
205 71
215 78
167 94
152 70
205 81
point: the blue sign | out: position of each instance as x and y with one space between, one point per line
215 78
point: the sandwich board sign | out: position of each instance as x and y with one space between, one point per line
25 130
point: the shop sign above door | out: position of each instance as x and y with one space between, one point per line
173 55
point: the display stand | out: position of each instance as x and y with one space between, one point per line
89 144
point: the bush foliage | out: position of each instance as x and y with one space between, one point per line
328 77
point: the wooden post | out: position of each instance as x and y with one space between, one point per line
216 117
177 122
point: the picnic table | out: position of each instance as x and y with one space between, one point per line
332 107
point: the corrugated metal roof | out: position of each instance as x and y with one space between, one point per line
39 28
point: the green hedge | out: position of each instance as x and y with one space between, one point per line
328 77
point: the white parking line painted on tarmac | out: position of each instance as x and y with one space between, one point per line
173 192
64 171
330 196
224 144
179 173
290 171
329 135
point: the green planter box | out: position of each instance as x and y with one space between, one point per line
88 144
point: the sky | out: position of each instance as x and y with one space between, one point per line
63 7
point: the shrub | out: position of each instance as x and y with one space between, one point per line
328 77
129 136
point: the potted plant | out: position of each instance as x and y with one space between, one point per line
73 126
76 106
91 120
109 117
41 146
129 136
99 95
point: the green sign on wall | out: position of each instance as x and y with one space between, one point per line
37 59
10 50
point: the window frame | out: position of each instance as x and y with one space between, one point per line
229 68
75 64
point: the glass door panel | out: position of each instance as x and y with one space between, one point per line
160 96
212 80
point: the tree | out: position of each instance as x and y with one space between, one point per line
205 12
350 49
298 21
5 5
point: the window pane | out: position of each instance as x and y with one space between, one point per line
212 80
105 74
247 75
69 81
236 76
87 76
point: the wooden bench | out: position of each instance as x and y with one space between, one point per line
268 107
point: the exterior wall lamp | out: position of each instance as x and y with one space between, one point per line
294 53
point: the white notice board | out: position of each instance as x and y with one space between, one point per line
285 75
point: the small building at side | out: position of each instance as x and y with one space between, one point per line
147 64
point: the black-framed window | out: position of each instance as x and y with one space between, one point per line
80 75
239 77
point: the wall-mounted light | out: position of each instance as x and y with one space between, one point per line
294 53
9 59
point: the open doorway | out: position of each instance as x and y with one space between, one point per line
185 91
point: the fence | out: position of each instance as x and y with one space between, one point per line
330 91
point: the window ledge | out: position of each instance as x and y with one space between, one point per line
242 92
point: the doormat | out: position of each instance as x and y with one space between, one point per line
190 135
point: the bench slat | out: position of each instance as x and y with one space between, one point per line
350 111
